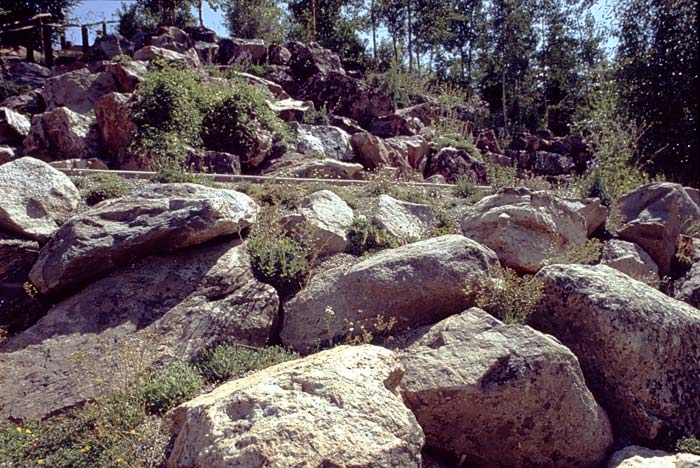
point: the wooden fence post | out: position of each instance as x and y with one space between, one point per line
104 28
86 38
48 45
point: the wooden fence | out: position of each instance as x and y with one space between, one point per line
43 25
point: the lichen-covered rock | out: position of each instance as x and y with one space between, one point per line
36 198
688 287
641 457
412 285
335 408
158 218
329 219
501 395
592 210
639 349
306 60
455 164
405 221
61 134
128 75
329 141
157 310
115 122
373 152
150 53
653 216
524 228
111 45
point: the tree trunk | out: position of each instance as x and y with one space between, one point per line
396 49
200 8
503 101
373 17
313 20
410 39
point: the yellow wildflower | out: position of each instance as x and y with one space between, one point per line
85 449
120 460
40 461
27 431
132 432
19 429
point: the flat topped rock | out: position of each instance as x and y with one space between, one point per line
36 198
156 219
336 408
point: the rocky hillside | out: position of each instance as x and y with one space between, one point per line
378 325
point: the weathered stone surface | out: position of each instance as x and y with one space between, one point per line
216 162
502 395
13 126
455 164
29 103
114 121
78 90
592 210
415 284
236 49
128 75
641 457
158 218
16 259
639 349
414 148
524 228
553 164
8 153
26 73
653 216
309 59
688 287
150 53
278 54
35 199
145 315
372 152
327 140
92 163
329 217
61 134
266 85
405 221
172 38
630 259
207 51
291 110
112 45
347 96
336 408
394 125
317 168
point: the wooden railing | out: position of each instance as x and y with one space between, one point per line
44 25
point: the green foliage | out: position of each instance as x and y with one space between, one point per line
103 187
226 362
277 259
10 88
317 117
587 253
501 176
465 188
261 19
365 237
170 387
147 15
175 174
688 445
177 110
505 295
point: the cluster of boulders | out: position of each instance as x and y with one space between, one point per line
164 271
83 110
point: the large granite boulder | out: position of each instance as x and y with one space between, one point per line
14 127
111 45
653 216
688 287
146 315
592 210
306 60
151 53
413 148
641 457
78 90
347 96
329 141
172 38
115 122
524 228
405 221
501 395
158 218
328 218
17 308
232 50
630 259
373 152
36 198
639 349
128 75
412 285
336 408
455 164
61 134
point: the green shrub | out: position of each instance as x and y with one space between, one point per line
501 176
317 117
226 362
276 258
175 384
365 237
175 174
587 253
104 187
688 445
505 295
465 188
10 88
446 224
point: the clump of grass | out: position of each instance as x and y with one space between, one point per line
170 387
276 258
104 187
10 88
227 362
446 223
501 176
465 188
365 237
587 253
688 445
274 194
174 174
505 295
317 117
